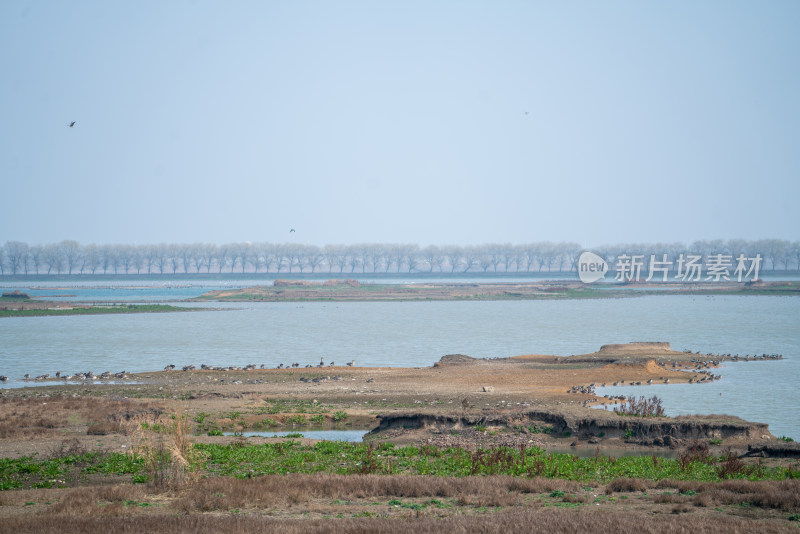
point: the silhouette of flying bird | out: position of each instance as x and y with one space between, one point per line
72 124
292 230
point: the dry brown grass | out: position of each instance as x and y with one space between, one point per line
98 501
482 504
628 485
552 521
224 493
25 418
781 494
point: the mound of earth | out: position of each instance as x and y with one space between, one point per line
455 359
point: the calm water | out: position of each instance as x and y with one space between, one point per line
419 333
330 435
167 288
157 288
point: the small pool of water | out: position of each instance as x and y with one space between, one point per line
329 435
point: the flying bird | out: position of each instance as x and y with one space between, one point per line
72 124
292 230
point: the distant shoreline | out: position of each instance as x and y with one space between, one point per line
566 276
42 308
352 290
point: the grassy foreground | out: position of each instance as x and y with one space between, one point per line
172 481
345 487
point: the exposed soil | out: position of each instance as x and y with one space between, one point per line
351 290
417 404
459 401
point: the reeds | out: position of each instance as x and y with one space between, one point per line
165 447
641 407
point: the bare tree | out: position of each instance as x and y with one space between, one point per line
522 259
186 253
15 255
430 255
124 255
336 256
570 252
223 257
70 251
270 255
471 257
292 253
90 259
353 257
239 253
411 257
198 259
51 254
314 258
209 254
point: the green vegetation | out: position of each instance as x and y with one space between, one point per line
97 310
345 458
339 416
275 406
297 419
242 460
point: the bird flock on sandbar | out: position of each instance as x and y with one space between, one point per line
125 375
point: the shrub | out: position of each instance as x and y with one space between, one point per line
297 419
624 484
339 415
642 407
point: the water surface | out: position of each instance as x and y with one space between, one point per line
417 334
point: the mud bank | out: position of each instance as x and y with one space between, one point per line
595 427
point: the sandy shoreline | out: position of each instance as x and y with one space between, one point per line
516 392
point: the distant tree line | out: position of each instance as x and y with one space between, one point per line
70 257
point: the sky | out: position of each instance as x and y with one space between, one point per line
428 122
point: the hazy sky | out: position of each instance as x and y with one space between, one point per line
408 121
